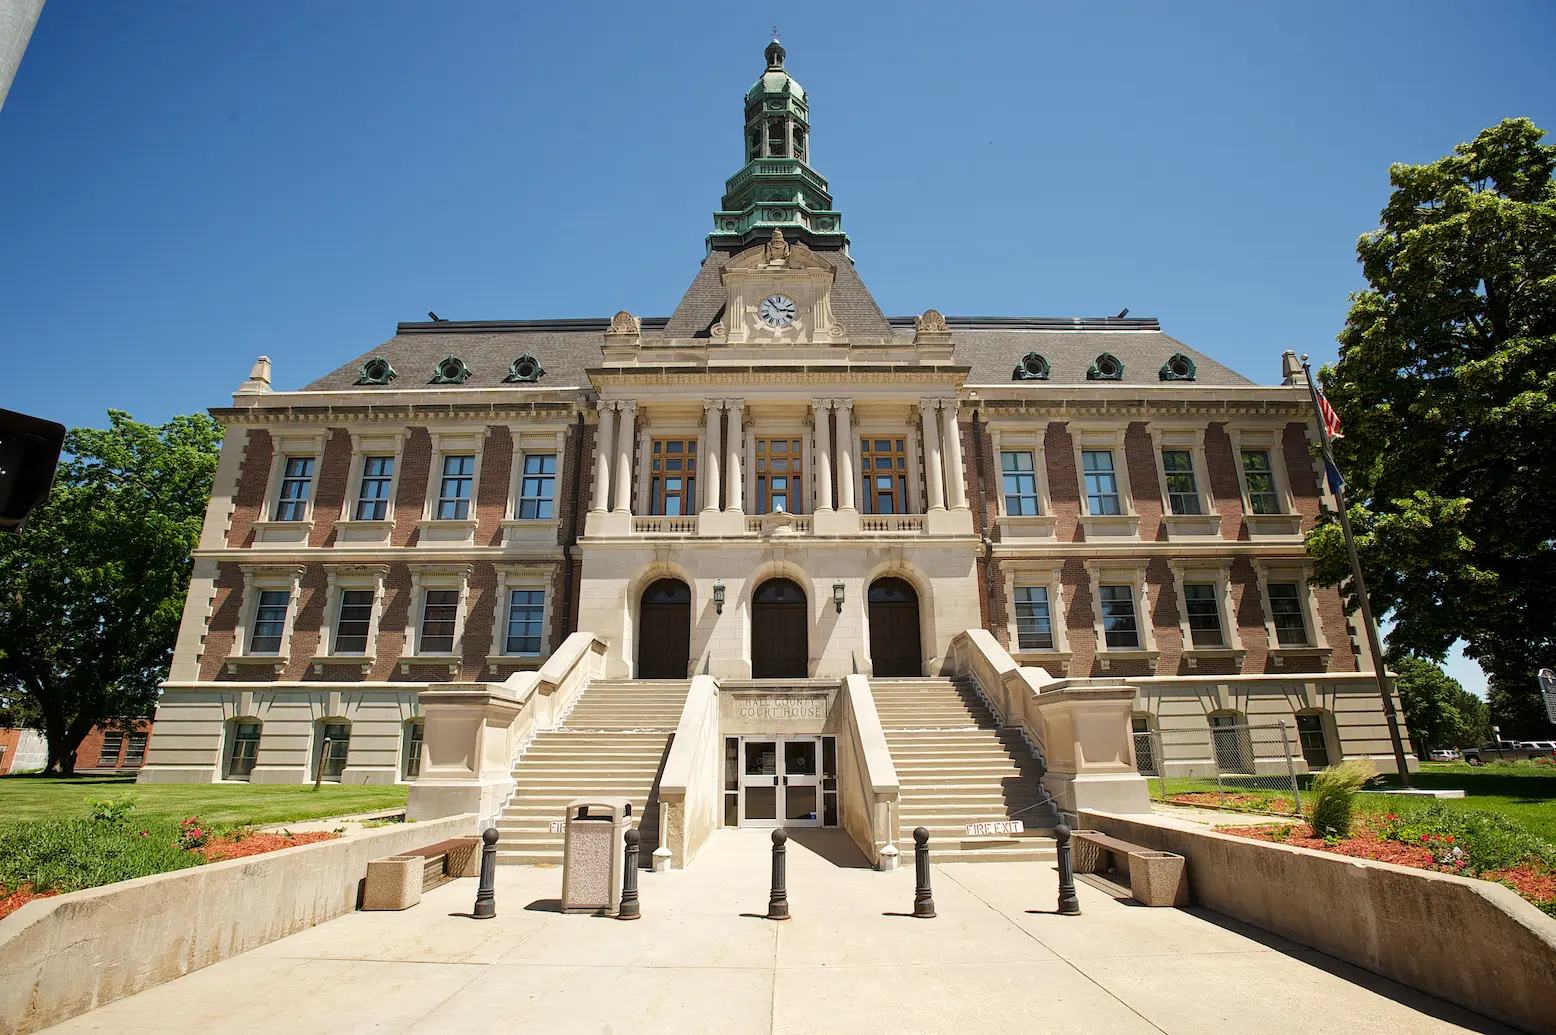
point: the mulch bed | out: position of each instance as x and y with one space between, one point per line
218 849
10 903
1240 802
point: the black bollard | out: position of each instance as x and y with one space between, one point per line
629 879
923 901
778 902
1069 903
486 893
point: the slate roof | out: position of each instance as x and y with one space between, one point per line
852 303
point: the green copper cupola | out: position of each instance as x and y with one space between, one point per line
777 188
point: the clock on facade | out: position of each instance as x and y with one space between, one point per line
777 310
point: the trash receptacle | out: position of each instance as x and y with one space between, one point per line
592 854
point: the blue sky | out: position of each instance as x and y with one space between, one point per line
184 186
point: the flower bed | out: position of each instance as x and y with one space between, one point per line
238 845
10 903
1277 803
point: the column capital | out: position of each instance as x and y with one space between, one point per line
709 405
821 405
926 404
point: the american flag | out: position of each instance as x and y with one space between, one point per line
1330 418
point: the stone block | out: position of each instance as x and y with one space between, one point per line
393 883
1158 879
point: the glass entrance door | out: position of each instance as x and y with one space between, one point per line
780 782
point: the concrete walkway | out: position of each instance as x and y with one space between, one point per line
997 959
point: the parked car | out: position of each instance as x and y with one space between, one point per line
1443 755
1506 751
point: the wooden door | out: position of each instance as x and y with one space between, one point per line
665 631
894 630
780 647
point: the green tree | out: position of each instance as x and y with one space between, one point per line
1438 710
91 592
1446 385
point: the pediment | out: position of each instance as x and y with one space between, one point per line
778 254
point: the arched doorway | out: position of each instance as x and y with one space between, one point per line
779 626
894 640
665 631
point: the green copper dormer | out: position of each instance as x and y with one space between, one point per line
777 188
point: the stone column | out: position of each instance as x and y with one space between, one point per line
999 470
626 422
603 440
845 457
645 461
750 482
915 486
823 415
956 478
732 440
709 461
930 419
807 474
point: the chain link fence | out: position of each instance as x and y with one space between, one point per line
1235 765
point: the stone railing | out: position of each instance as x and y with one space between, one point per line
661 525
868 777
778 524
877 523
690 786
475 731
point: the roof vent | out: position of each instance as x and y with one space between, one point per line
1106 368
1033 367
525 369
451 371
376 371
1178 368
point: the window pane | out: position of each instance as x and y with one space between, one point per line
1101 482
135 751
269 621
526 608
334 747
454 489
884 493
415 733
1034 625
437 623
373 495
296 479
1310 735
1182 487
356 615
671 492
1020 481
537 490
1261 482
1203 614
109 755
1118 617
1286 610
245 748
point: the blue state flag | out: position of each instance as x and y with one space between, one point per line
1336 483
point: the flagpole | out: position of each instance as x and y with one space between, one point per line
1385 685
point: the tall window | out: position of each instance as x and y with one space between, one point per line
269 621
673 476
537 490
296 479
244 750
1286 610
1020 482
1182 486
526 609
1118 617
356 617
437 621
1101 481
334 746
415 733
1260 475
373 495
884 465
454 489
1204 615
113 743
775 141
1310 735
1034 624
778 476
135 749
1233 745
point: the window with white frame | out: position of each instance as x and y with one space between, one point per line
1259 474
1101 482
1182 484
373 490
1286 613
1120 626
296 484
243 748
455 487
439 619
415 735
526 621
1020 482
355 620
269 627
537 487
1201 601
1034 619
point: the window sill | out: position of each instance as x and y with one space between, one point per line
519 662
1111 526
1187 526
529 530
1273 526
282 533
1043 659
451 661
362 661
1105 658
274 661
1278 655
1026 526
438 531
1194 655
356 531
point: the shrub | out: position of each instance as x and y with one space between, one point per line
1485 840
191 834
110 810
1334 796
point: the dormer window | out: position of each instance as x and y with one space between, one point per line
1106 368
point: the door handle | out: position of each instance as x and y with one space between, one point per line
785 780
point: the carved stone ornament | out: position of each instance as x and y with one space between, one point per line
1033 367
718 332
625 323
777 251
376 371
931 329
526 369
836 332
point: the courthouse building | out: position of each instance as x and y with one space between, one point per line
776 486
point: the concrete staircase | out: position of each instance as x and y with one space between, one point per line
956 767
613 743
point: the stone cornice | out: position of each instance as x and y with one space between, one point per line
399 413
1113 404
807 374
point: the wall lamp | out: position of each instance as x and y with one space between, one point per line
718 596
837 596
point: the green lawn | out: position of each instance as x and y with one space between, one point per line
1525 794
30 798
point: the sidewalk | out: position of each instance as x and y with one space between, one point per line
996 960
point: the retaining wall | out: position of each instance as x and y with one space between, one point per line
65 955
1471 942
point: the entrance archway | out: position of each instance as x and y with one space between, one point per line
780 647
665 630
894 639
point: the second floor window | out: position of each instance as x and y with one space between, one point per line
673 477
269 621
454 488
438 616
778 476
526 609
1260 475
1286 611
1034 624
537 489
1118 617
356 617
1182 486
373 495
1020 483
1204 616
296 480
884 463
1101 482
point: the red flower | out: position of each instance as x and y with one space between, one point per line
1449 839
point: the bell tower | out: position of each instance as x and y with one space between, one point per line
777 188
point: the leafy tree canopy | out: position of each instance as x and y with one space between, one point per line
92 591
1446 385
1438 711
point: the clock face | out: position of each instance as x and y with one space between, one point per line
776 310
